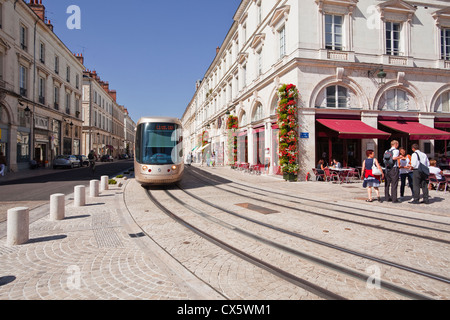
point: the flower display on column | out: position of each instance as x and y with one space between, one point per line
232 126
287 121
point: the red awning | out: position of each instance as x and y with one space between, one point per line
442 124
353 129
416 130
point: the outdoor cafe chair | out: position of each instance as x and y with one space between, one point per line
318 175
330 175
433 181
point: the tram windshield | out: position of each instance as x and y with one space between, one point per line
158 144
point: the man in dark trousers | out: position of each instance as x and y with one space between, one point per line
392 173
419 178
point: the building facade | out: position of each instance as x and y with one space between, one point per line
40 88
382 64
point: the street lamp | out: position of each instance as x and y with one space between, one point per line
380 75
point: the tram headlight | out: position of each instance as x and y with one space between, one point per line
174 167
144 168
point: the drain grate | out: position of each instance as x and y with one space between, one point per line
256 208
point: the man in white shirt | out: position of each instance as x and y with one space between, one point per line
419 178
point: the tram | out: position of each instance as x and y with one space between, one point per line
158 158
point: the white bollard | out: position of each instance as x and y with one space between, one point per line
18 226
79 196
93 188
57 207
104 183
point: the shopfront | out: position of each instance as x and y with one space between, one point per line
408 131
341 139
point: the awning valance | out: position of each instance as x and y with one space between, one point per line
353 129
416 130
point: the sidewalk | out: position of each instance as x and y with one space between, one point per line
100 252
96 252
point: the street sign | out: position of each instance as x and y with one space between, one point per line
304 135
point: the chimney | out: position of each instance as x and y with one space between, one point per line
217 50
38 8
113 94
49 25
80 58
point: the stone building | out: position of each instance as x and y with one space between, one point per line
368 71
40 88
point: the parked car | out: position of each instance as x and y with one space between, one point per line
66 161
107 158
84 161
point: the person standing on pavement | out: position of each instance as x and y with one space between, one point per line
419 178
2 164
392 172
370 178
405 172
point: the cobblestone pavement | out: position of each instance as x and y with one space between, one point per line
103 250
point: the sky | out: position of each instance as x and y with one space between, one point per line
152 52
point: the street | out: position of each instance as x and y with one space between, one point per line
35 191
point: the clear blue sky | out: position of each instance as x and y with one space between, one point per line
151 52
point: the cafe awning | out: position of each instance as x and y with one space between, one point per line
416 130
353 129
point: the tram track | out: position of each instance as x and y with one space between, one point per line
271 193
310 287
305 284
416 271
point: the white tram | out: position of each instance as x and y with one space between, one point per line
158 158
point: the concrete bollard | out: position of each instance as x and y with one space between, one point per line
57 207
79 196
18 226
104 183
93 188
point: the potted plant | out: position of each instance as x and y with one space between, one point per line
288 124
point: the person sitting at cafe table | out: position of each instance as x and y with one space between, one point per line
437 172
336 164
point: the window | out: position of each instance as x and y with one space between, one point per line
1 66
396 100
393 30
56 97
42 53
23 77
258 12
333 32
56 64
23 147
259 62
337 97
68 74
282 39
23 37
258 115
67 103
77 81
1 15
41 90
445 44
443 103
